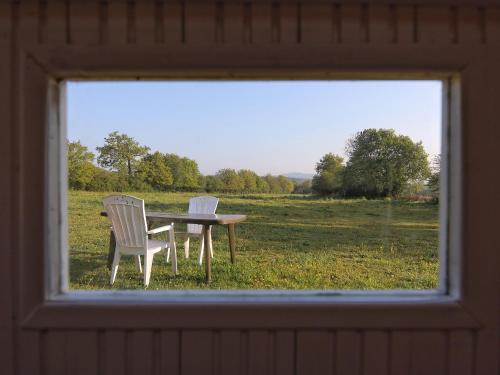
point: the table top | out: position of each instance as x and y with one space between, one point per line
207 219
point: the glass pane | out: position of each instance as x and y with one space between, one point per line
339 182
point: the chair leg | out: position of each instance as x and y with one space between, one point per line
186 247
138 263
167 254
114 267
200 256
173 246
148 264
210 242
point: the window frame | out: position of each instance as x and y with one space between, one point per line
55 307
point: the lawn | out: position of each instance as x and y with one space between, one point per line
288 242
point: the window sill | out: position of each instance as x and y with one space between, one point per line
239 310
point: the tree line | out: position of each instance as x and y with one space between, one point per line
380 163
124 165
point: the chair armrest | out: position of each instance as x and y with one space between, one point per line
160 229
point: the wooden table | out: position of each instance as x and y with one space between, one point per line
206 220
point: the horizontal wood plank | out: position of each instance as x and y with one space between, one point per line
229 62
335 315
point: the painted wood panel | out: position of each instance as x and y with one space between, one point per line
7 284
400 352
31 129
284 352
479 127
57 28
140 357
429 353
169 352
429 33
29 361
230 358
197 352
117 21
376 352
112 352
260 352
461 352
81 352
84 22
315 352
54 356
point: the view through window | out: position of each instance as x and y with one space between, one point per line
328 184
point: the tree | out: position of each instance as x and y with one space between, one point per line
286 185
303 187
382 163
104 180
231 181
434 179
80 167
154 171
192 176
273 183
328 177
249 179
185 172
262 185
213 184
121 153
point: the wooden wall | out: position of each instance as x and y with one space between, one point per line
265 34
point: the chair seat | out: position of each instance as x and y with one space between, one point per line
157 245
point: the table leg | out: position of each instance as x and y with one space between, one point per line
208 258
232 242
112 246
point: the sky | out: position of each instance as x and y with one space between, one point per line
275 127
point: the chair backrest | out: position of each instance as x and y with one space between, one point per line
201 205
128 218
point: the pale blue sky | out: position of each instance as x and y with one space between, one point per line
269 127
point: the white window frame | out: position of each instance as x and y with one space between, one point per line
450 219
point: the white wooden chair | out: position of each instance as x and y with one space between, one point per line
200 205
128 220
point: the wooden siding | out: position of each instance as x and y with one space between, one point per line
246 34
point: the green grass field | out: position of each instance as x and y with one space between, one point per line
288 242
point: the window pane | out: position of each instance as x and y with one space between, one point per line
339 182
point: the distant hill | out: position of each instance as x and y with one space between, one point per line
298 176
